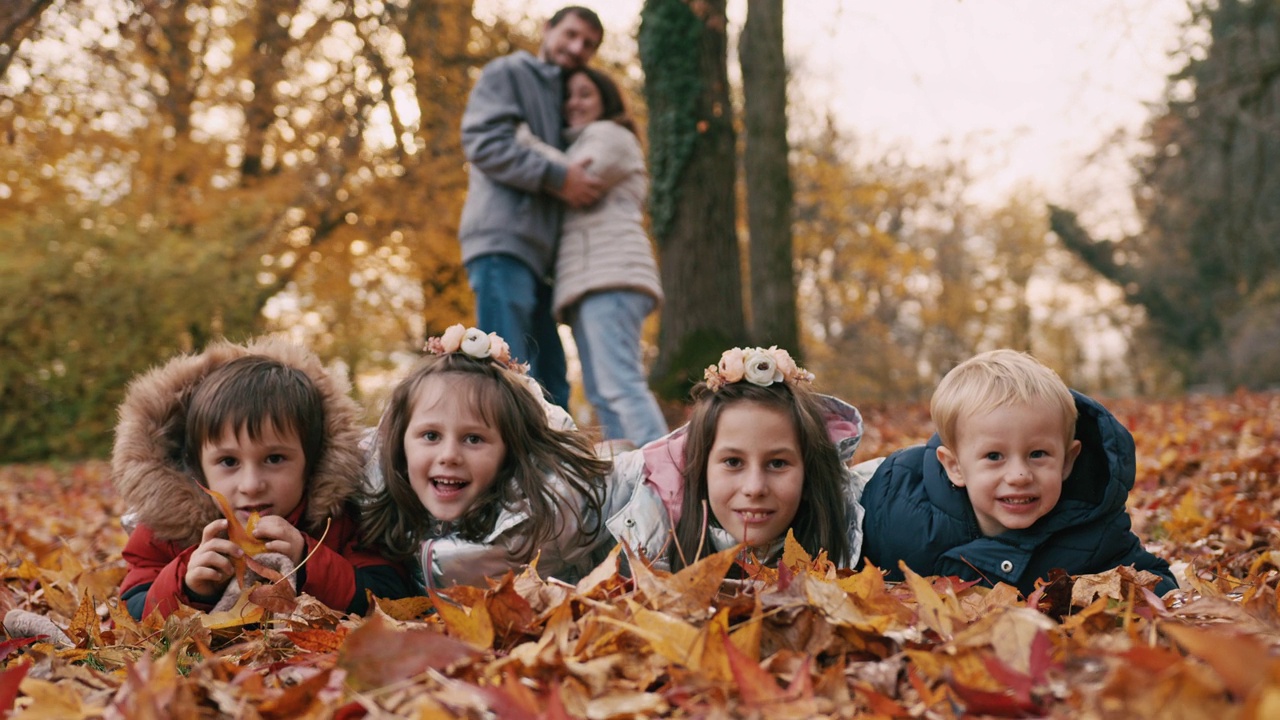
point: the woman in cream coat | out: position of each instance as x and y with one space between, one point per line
606 275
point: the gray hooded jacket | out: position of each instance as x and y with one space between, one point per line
508 210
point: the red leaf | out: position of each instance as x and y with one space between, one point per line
8 646
10 680
1000 704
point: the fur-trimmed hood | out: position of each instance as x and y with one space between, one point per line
146 462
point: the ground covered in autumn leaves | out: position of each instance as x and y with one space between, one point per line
798 641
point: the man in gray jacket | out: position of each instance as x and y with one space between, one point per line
511 219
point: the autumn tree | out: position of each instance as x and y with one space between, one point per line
692 164
294 157
1204 266
901 276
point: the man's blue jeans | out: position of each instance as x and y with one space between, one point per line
512 300
606 327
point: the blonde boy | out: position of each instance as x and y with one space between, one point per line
1023 476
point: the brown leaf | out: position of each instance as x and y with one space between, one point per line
410 608
376 654
276 597
689 592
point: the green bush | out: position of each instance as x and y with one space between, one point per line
85 310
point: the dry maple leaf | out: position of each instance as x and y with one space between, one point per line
239 534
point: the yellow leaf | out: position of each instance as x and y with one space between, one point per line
53 702
469 625
85 623
935 611
244 612
794 556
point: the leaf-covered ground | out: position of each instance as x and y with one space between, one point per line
800 641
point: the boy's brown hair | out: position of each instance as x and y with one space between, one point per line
249 394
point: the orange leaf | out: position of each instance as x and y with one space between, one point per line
321 641
236 533
793 555
410 608
85 623
754 682
1241 661
296 699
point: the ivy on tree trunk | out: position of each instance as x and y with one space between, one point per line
683 51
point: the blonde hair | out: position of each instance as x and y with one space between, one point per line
996 379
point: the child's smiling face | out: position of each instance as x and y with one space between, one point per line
266 475
1012 461
755 473
453 455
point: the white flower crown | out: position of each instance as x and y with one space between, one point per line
758 366
475 343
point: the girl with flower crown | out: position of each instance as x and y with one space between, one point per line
761 454
475 473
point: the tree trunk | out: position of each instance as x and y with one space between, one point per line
270 42
692 141
769 189
436 36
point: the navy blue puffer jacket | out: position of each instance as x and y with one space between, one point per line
915 515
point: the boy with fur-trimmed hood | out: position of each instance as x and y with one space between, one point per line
268 428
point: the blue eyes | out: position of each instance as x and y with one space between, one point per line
1034 454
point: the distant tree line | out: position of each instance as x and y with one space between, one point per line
1205 266
175 172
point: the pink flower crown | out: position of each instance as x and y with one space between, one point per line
758 366
475 343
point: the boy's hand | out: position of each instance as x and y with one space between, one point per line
281 537
210 567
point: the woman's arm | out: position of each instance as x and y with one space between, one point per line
614 151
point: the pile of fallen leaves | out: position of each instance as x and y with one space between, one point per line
801 640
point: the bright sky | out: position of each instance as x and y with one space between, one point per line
1027 89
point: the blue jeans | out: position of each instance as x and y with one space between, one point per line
606 328
512 300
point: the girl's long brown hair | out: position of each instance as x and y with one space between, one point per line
821 521
397 519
